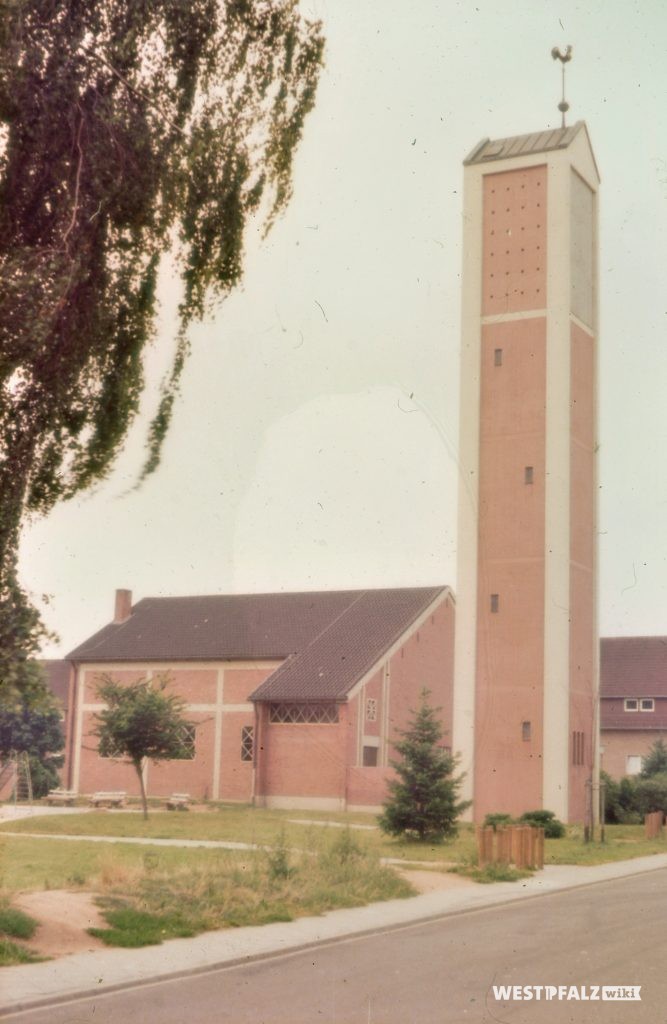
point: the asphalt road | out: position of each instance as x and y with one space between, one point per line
613 933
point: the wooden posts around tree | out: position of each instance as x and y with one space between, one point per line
520 845
653 824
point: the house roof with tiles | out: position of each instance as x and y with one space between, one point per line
327 640
633 667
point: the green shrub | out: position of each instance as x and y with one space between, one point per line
491 873
620 802
496 821
15 923
132 928
278 859
553 828
11 953
650 794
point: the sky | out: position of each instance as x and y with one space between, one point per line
314 445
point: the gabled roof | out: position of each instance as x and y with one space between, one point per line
341 654
633 666
330 638
523 145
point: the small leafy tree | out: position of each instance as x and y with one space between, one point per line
655 762
423 800
31 723
141 722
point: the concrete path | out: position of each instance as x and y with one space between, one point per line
105 970
208 844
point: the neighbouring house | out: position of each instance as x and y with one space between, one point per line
633 700
296 698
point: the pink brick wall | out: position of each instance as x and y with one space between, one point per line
514 233
198 684
240 682
94 677
235 774
367 787
304 760
618 744
426 660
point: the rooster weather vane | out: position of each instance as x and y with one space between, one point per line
564 58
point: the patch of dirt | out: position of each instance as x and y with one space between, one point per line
430 881
63 918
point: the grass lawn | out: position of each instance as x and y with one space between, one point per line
622 842
241 823
151 893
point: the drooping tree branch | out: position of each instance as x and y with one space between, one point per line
124 127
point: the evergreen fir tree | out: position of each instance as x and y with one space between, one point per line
423 801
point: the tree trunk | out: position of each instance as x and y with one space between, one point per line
139 768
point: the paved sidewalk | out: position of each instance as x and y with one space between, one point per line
87 973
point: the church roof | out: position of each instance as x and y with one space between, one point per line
327 639
523 145
349 646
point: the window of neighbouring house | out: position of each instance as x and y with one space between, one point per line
247 742
495 602
371 709
292 713
633 764
188 754
525 731
497 357
631 704
528 474
647 704
369 757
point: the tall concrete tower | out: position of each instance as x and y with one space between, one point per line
526 670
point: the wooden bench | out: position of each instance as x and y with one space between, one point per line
61 796
111 799
179 802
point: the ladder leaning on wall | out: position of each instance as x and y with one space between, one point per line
22 778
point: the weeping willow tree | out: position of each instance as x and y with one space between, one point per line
126 130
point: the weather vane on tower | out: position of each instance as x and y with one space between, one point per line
564 58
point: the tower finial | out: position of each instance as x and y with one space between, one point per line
563 106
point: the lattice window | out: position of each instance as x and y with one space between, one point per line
303 714
247 743
188 737
371 709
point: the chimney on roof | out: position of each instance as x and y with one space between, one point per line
123 606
